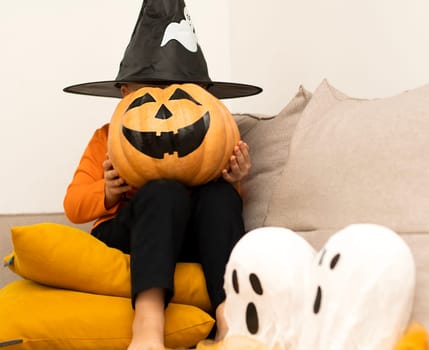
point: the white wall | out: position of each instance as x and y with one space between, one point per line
366 48
46 45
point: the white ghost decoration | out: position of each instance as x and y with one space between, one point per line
265 280
362 291
183 32
355 294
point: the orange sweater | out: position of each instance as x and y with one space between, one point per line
84 199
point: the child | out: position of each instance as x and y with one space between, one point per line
163 222
160 224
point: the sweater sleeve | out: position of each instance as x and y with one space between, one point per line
84 199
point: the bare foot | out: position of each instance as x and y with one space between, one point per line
148 324
137 345
222 327
148 338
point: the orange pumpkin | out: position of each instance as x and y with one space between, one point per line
180 132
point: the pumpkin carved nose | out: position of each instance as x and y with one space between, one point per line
163 113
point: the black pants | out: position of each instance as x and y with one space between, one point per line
166 222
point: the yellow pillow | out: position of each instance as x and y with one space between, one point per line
415 338
66 257
36 317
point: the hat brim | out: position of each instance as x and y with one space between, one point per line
220 90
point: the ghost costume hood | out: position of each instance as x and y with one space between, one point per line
163 50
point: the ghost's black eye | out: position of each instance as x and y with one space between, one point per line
317 301
141 100
334 261
256 284
252 320
322 256
235 281
179 94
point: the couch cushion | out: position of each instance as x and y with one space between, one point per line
35 317
268 139
7 221
354 161
66 257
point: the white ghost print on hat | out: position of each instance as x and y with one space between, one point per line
183 32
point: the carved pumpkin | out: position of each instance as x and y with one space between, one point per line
180 132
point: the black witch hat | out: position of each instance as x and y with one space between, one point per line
163 50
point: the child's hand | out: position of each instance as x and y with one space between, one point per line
239 164
114 186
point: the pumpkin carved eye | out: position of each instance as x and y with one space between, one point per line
179 132
179 94
140 101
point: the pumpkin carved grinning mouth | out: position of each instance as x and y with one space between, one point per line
185 141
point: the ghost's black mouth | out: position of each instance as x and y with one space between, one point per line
185 141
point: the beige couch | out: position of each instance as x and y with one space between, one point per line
326 161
